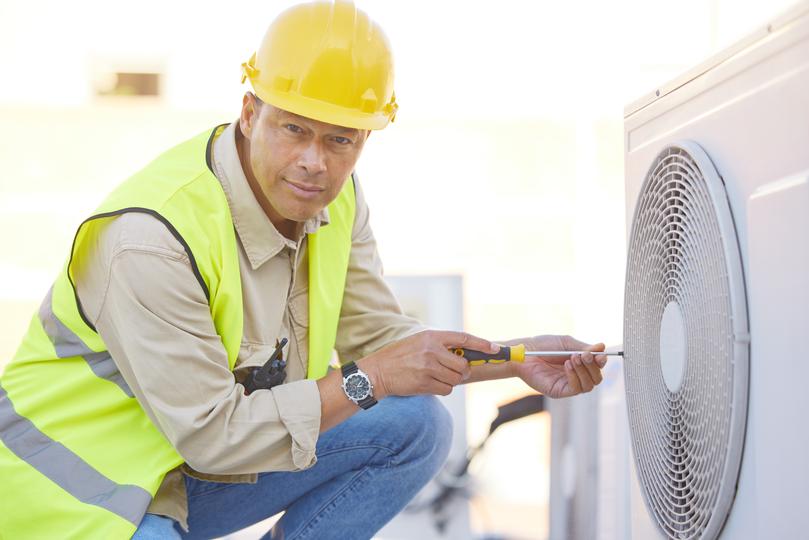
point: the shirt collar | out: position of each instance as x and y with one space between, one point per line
259 237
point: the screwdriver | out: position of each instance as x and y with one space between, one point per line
516 353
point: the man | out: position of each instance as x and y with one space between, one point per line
125 412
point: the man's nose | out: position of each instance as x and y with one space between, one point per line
313 158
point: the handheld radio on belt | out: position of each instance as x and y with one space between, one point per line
272 373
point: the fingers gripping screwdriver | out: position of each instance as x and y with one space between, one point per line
515 353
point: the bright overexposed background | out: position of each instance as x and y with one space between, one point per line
504 165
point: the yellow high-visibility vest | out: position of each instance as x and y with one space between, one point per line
79 458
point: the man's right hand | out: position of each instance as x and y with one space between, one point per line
422 363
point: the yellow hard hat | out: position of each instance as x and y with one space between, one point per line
327 61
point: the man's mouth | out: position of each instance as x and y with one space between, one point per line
303 188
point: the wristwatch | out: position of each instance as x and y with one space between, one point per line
357 386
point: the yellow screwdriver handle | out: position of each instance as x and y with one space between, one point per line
515 353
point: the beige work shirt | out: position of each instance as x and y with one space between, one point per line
140 293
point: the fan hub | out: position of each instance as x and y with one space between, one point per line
672 347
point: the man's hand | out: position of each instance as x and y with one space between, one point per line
559 377
422 363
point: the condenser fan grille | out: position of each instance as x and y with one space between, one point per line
686 345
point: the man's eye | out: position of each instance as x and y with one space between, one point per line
293 128
342 140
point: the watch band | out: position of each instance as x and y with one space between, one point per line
351 368
367 403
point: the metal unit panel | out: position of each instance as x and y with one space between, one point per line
750 113
778 244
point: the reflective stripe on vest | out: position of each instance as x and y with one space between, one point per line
79 458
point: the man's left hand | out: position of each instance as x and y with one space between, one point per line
559 377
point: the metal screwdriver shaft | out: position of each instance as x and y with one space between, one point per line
568 353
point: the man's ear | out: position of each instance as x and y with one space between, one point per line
249 114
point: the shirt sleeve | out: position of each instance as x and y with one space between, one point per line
370 316
141 294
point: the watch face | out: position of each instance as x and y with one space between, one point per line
357 387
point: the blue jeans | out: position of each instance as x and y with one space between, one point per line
367 470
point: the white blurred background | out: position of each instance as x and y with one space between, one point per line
504 164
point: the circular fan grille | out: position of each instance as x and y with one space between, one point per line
686 345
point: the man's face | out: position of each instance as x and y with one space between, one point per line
297 164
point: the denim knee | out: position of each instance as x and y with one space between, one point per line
426 429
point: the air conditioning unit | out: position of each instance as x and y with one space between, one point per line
716 307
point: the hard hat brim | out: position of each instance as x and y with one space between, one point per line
321 111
